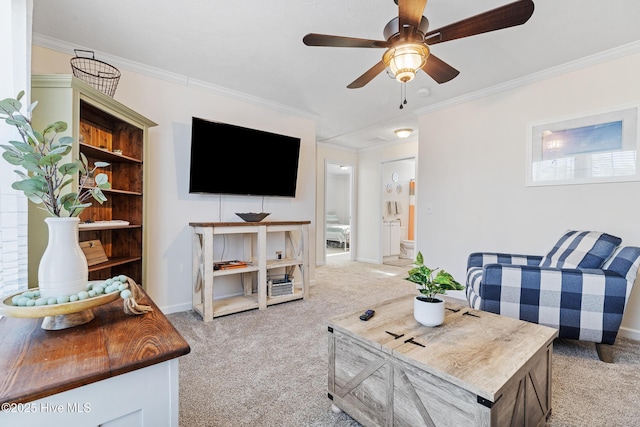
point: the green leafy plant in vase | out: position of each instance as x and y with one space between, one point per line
48 178
428 309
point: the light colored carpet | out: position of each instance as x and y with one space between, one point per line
400 262
269 368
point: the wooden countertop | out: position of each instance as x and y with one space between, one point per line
36 363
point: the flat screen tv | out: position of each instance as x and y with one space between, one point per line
229 159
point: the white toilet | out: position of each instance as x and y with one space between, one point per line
406 245
406 249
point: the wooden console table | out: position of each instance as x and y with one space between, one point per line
255 235
476 369
117 367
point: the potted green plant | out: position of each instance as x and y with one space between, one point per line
428 310
47 178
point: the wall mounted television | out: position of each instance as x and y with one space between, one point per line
229 159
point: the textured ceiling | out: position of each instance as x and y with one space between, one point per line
255 47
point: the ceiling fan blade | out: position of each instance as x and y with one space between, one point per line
339 41
439 70
509 15
367 76
410 12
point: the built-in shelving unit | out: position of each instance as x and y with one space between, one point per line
104 130
255 274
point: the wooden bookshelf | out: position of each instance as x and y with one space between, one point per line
107 131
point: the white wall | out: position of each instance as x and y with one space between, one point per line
170 206
370 182
472 172
337 200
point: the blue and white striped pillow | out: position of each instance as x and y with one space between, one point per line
581 249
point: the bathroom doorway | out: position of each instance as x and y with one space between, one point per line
338 203
398 211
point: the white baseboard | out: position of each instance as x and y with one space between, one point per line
633 334
176 308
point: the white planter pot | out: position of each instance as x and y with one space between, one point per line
428 313
63 268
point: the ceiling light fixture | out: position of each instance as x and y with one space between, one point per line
402 62
403 133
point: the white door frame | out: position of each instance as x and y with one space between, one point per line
383 182
352 208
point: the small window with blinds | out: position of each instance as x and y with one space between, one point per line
600 147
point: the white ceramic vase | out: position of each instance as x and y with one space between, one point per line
428 313
63 268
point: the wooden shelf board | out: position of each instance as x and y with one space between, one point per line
297 294
229 271
114 261
120 227
287 262
106 155
222 307
116 191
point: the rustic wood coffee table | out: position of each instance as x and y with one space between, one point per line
476 369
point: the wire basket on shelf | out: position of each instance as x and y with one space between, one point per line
98 74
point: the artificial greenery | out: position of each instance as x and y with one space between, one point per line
431 285
45 178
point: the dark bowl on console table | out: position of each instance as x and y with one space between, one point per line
253 216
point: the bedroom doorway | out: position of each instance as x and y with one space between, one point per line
338 203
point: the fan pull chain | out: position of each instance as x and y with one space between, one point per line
403 94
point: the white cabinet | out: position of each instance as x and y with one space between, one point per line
128 405
391 238
253 265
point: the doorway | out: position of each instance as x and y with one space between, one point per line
398 211
338 204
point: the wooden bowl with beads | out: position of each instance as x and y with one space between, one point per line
8 309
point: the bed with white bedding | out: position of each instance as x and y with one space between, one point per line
336 233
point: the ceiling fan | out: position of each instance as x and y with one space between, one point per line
408 40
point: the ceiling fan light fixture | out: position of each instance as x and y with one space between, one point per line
402 62
403 133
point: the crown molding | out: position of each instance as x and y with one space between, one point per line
241 96
609 55
588 61
157 73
